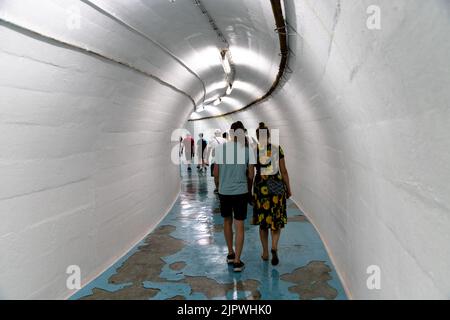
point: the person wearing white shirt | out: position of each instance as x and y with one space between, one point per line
216 141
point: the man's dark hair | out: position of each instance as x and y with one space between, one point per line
238 125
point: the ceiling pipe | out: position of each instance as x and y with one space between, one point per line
225 54
282 31
120 21
91 52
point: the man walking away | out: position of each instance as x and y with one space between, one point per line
235 164
188 148
201 148
216 141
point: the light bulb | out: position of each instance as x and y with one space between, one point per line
229 89
226 66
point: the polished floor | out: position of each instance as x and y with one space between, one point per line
184 258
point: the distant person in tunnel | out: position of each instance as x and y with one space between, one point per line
201 152
235 164
180 148
216 141
270 191
188 150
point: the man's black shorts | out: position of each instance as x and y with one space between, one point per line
236 204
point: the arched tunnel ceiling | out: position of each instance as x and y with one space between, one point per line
172 41
182 29
87 111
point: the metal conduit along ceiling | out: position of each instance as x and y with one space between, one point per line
92 92
196 33
196 39
251 30
282 28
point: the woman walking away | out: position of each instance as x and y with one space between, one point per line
270 191
234 165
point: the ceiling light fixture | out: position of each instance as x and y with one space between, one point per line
225 62
226 58
229 89
226 65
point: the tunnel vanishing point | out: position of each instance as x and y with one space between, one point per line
94 93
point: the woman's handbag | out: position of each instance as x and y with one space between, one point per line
276 186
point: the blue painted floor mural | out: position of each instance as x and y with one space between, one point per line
184 258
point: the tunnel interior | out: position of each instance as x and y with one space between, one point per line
93 94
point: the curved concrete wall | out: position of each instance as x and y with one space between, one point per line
85 150
85 140
364 123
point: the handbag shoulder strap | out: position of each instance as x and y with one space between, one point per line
258 165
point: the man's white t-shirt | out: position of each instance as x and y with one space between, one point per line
213 143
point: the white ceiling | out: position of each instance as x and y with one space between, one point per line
172 41
185 32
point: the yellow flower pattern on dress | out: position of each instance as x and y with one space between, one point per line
265 190
270 210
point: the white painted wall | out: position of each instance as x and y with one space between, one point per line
85 144
364 122
85 152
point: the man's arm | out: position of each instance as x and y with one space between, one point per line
216 172
208 152
250 177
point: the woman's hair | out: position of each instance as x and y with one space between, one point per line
262 128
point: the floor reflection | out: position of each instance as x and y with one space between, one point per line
184 258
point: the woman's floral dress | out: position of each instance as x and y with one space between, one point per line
269 210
